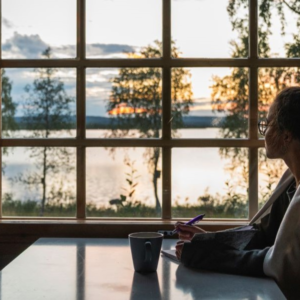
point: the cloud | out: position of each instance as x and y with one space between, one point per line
7 23
23 46
94 50
98 50
98 83
32 46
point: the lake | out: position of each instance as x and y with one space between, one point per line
195 172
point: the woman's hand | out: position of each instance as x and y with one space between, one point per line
186 232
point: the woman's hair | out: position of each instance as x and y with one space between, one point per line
288 110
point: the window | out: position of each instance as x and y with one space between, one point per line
141 108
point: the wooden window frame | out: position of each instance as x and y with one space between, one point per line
166 143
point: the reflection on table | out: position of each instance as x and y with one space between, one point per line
69 268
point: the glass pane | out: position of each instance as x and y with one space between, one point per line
210 102
270 171
39 182
278 33
206 29
116 28
123 182
29 27
211 181
123 103
39 103
270 82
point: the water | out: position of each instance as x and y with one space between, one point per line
195 172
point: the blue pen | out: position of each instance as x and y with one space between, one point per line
190 222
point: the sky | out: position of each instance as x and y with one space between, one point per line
114 27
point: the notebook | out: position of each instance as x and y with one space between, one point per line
170 254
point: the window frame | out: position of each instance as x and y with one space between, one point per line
166 142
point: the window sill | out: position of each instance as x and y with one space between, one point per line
104 228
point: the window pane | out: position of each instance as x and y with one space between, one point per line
270 82
210 102
279 26
211 181
39 181
205 29
29 27
123 103
39 103
116 28
123 182
270 171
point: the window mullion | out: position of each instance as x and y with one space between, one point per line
81 186
253 108
80 112
166 34
166 104
1 108
81 38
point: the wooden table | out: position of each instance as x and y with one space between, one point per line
86 269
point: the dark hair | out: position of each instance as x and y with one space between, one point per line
288 110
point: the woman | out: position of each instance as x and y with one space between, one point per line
275 250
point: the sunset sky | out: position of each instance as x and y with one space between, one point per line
114 27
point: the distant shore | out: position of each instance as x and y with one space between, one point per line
95 122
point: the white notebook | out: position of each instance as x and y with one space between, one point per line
171 254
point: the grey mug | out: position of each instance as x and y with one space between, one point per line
145 250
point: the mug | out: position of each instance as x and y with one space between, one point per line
145 250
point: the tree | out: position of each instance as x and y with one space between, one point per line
135 103
8 111
47 109
8 107
230 93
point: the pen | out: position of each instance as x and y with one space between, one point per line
191 222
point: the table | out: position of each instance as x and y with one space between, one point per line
90 268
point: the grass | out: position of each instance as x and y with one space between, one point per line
29 208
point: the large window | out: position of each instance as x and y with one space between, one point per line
141 108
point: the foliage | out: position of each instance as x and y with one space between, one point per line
271 171
230 93
47 108
8 107
136 102
32 208
230 205
130 190
213 209
8 110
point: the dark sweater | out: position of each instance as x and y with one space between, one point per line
219 258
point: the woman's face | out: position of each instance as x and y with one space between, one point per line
272 136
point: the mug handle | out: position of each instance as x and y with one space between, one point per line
148 251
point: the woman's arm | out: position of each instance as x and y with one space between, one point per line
212 256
